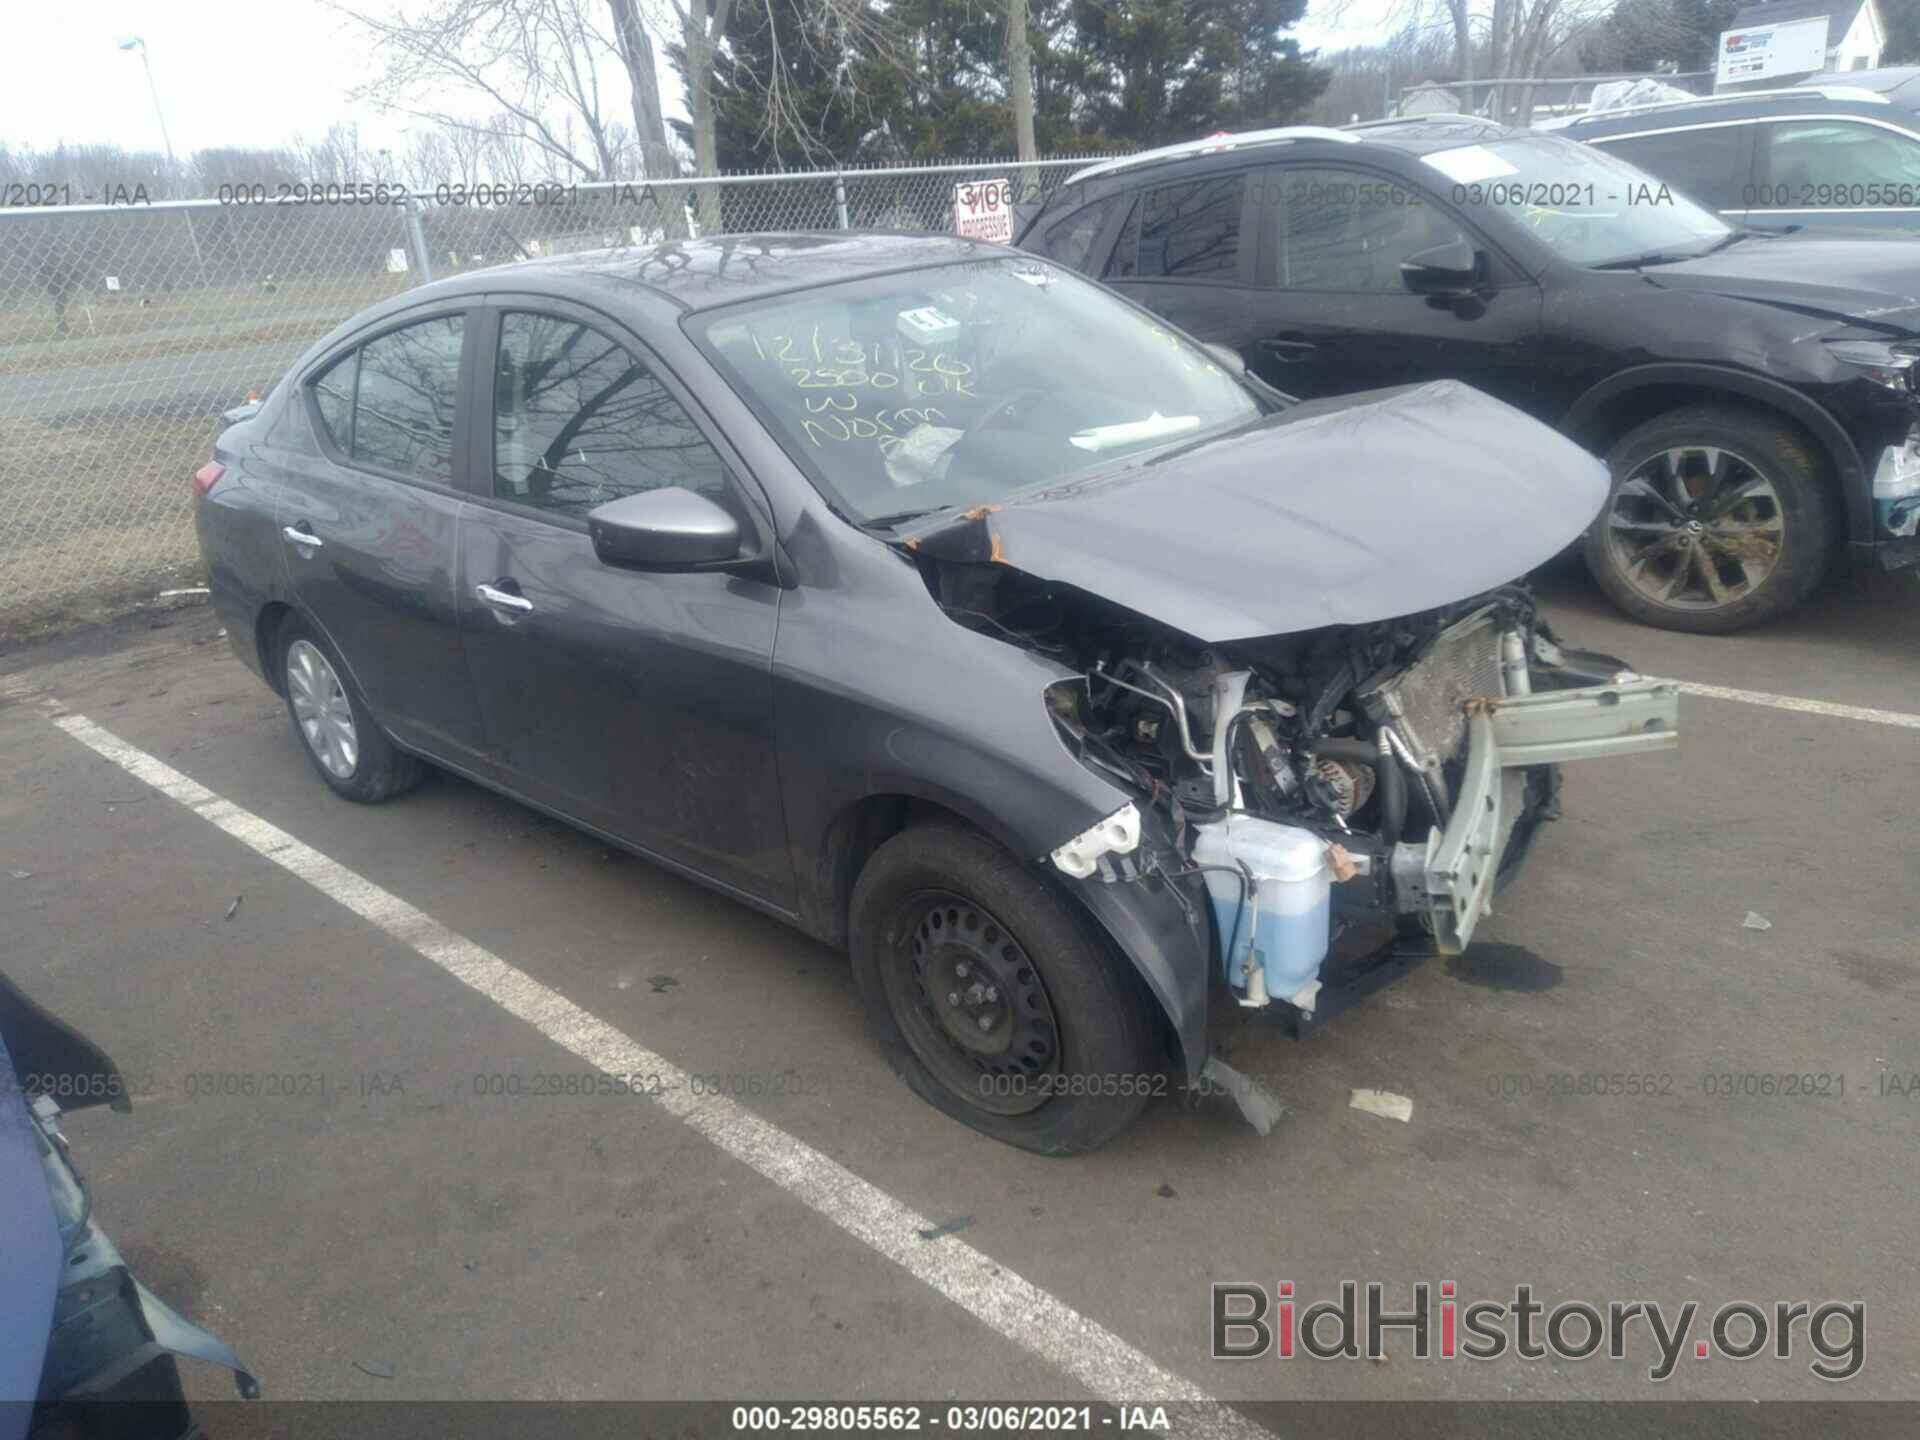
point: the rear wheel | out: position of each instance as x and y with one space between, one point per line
1717 520
331 722
993 999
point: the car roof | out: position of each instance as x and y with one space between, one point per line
1416 135
1211 145
1835 98
1899 83
698 274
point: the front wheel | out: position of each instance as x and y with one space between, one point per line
1717 520
993 999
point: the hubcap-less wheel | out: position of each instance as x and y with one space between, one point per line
972 1006
1695 528
321 707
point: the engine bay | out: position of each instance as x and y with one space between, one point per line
1305 778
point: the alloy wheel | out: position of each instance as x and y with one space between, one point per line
321 708
1695 527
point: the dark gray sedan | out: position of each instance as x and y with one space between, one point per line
947 606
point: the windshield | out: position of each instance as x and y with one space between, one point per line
960 384
1590 207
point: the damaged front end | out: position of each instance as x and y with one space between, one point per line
1349 797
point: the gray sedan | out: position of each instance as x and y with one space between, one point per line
948 607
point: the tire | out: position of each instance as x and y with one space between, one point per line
1715 547
367 769
1071 1055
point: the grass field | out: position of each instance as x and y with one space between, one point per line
90 508
105 329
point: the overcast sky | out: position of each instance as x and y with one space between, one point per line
256 72
229 72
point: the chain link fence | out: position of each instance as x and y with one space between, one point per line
127 329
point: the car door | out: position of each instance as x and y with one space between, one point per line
639 703
1712 165
1332 314
1184 249
368 495
1838 173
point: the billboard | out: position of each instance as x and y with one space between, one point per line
1760 52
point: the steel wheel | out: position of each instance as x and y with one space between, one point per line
972 1007
321 709
1695 528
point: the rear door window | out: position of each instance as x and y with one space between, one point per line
390 404
1837 165
1189 231
333 393
1710 166
404 403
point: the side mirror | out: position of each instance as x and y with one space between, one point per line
1454 268
667 529
1229 358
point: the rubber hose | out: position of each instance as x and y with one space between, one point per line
1388 777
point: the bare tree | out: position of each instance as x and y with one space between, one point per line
337 156
531 61
635 49
702 27
1500 39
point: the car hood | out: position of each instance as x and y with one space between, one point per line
1845 279
1335 512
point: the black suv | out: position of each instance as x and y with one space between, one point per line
1839 156
1753 395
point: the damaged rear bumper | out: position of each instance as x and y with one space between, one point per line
1449 879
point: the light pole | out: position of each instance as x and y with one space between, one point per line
135 42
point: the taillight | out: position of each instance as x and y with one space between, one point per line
206 477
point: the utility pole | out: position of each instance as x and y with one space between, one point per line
1020 87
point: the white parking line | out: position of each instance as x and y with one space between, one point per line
1018 1309
1828 708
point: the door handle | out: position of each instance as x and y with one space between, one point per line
1287 350
301 537
504 600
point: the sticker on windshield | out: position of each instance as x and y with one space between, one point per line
1469 164
928 325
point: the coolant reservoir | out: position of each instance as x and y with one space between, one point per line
1273 940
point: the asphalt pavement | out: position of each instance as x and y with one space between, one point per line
337 1163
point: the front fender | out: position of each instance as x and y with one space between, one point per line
1163 928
